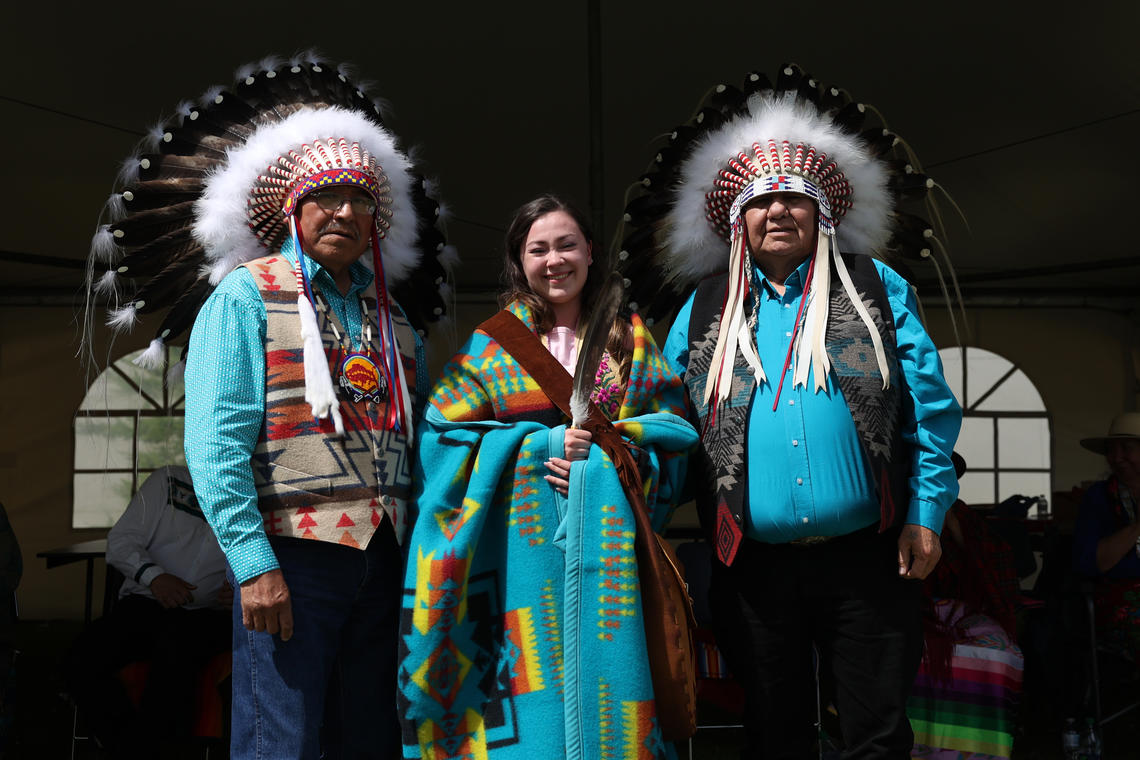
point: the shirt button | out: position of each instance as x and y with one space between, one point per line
787 306
799 481
791 402
805 521
795 442
788 334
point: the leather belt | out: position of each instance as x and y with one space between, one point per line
811 540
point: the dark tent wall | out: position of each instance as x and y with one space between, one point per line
1027 122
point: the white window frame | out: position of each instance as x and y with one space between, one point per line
972 411
167 404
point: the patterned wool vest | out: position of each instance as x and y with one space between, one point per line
876 412
311 483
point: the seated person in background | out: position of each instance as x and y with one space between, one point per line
173 612
1106 540
972 668
975 576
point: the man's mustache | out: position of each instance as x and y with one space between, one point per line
339 229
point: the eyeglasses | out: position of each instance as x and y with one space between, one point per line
330 201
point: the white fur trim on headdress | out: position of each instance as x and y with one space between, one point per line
222 213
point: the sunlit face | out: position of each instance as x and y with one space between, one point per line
781 229
1124 459
556 258
338 237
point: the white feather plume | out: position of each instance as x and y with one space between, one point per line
123 318
319 391
103 245
116 207
152 139
107 284
154 355
449 257
579 409
208 96
128 171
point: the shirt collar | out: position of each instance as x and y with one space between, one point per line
793 286
360 274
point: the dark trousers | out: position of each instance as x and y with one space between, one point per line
177 643
330 690
845 597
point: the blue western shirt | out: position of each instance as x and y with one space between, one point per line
806 472
225 403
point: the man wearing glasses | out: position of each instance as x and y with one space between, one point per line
300 385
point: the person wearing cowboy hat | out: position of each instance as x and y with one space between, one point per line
1106 539
1107 532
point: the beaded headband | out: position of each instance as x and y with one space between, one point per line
778 183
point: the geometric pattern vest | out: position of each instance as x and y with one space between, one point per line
721 458
311 482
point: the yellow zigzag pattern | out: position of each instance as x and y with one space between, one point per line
553 633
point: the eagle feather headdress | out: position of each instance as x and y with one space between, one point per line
794 137
215 187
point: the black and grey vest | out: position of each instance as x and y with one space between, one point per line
876 412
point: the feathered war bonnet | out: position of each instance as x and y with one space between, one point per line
217 186
794 137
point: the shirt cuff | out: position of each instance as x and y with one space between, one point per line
251 558
147 573
928 514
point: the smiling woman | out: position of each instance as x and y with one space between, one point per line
556 259
511 554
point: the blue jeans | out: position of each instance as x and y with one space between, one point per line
330 691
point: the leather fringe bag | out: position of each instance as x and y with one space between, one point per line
667 610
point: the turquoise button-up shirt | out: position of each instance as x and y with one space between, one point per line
225 404
806 471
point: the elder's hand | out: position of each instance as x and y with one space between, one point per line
919 551
266 605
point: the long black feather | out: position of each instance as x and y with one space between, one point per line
601 318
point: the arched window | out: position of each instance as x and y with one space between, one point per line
129 424
1007 434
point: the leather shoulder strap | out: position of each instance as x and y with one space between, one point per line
509 332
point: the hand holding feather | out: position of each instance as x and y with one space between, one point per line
594 337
